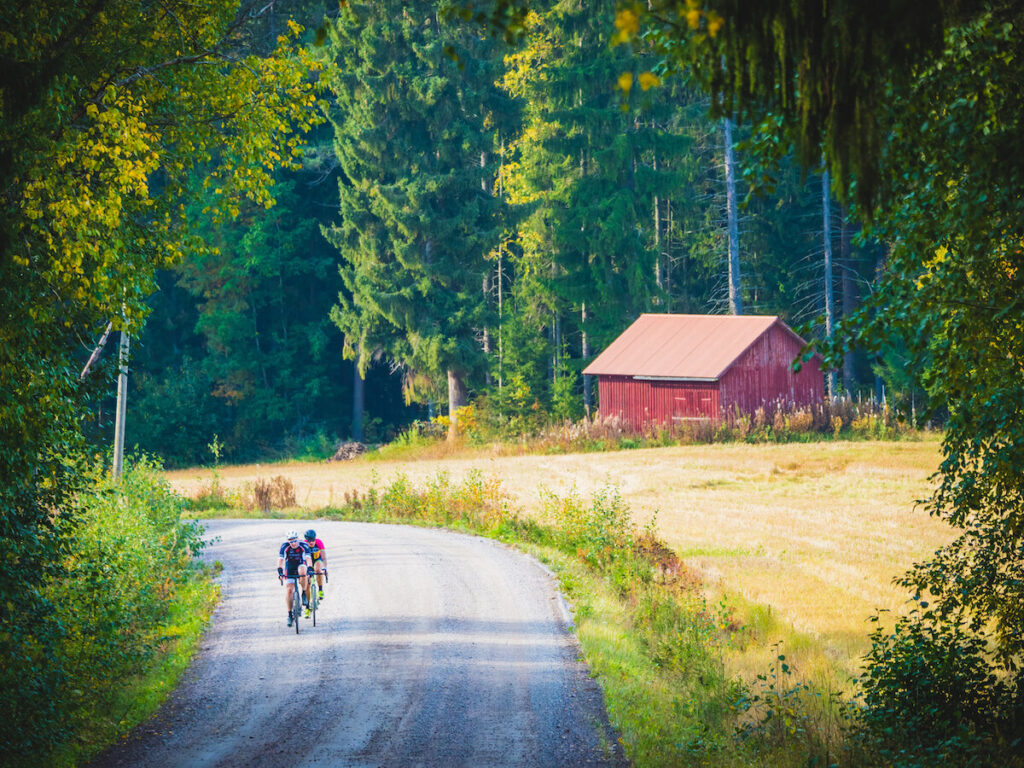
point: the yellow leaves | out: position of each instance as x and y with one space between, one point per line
694 14
81 208
715 23
648 80
627 24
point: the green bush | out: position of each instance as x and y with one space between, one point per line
931 697
127 552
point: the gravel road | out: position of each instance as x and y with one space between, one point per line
431 649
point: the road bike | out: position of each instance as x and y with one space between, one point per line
296 609
314 593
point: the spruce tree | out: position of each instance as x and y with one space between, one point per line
595 165
416 114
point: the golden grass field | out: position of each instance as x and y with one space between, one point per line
814 533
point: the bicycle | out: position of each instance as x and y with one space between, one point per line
314 593
296 610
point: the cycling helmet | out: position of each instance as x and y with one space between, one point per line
310 535
292 535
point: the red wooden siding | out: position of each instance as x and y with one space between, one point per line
640 401
763 373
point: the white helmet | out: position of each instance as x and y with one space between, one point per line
292 535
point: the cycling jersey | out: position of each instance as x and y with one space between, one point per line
294 556
316 549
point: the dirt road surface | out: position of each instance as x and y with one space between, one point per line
431 649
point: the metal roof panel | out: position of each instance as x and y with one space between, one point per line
680 346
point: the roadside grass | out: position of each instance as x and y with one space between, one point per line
135 698
131 602
659 639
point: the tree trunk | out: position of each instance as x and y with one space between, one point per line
879 271
735 297
457 398
358 403
826 207
585 353
657 239
486 340
849 300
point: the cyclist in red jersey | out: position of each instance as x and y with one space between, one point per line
319 554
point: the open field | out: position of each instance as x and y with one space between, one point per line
813 532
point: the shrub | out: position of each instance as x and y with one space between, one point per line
266 495
931 697
128 554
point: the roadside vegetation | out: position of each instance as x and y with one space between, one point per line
695 669
130 602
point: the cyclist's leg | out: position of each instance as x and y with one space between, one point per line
290 584
304 581
319 568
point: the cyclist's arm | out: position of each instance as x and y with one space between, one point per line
323 553
307 557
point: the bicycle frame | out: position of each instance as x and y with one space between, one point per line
314 592
296 609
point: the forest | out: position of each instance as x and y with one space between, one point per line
482 214
297 222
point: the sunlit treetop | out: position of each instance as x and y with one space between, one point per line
112 113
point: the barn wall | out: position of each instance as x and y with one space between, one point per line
641 402
763 374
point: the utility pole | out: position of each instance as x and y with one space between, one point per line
122 405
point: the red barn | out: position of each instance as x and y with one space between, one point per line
671 368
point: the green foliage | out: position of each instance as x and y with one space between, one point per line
951 293
240 337
601 534
416 138
566 403
110 114
126 553
932 697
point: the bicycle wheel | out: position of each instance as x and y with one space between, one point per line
314 601
297 605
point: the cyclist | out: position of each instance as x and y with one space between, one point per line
296 557
319 553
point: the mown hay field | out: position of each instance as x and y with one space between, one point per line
814 533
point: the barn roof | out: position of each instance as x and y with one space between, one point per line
682 346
